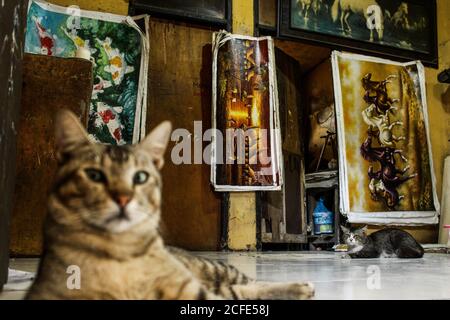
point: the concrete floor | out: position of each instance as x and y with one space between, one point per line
333 277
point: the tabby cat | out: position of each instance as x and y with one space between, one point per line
103 218
385 243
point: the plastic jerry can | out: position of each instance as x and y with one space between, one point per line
323 218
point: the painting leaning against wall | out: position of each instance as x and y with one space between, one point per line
118 51
245 112
386 168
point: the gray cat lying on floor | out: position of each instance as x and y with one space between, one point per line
386 243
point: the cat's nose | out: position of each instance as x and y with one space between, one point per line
122 200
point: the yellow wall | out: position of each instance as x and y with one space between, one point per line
438 95
242 211
112 6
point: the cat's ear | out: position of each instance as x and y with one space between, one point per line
156 143
345 230
69 133
362 230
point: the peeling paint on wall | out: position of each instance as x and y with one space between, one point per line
12 15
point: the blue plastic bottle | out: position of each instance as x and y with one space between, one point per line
323 218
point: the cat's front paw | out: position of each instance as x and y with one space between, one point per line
301 291
346 256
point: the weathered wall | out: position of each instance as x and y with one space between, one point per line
11 45
438 96
112 6
180 70
242 210
49 84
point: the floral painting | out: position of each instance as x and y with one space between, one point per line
116 51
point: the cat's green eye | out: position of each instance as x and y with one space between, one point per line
140 177
95 175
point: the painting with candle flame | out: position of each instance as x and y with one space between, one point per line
117 49
246 152
385 162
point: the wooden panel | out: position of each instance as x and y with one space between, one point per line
49 84
438 100
288 204
307 55
180 91
289 96
319 97
199 9
12 26
267 13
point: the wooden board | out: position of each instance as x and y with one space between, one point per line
307 55
318 96
285 209
11 42
180 91
267 13
49 84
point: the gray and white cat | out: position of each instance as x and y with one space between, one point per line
385 243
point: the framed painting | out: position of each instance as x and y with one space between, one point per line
396 29
212 12
266 16
118 49
246 140
385 160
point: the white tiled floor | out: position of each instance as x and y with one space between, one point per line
17 290
333 277
336 278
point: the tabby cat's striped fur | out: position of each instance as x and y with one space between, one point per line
103 217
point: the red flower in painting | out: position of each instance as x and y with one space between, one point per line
118 134
45 38
47 42
107 116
